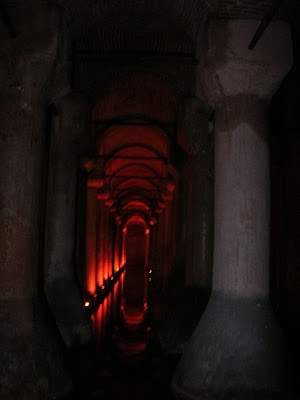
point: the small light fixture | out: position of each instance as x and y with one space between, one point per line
149 279
87 304
150 271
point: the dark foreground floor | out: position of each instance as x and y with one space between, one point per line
135 369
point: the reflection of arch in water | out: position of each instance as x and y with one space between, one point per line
135 284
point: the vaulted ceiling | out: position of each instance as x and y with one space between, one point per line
159 25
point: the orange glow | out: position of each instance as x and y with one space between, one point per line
135 163
95 182
100 243
149 279
171 184
86 304
103 193
109 203
91 230
134 318
167 196
150 271
161 204
106 268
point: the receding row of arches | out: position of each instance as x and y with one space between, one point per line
128 202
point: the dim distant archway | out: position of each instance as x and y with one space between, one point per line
135 281
133 130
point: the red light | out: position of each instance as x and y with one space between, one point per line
95 182
167 196
111 278
109 203
149 279
171 185
102 287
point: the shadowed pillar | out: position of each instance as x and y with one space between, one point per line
31 355
91 238
61 289
237 350
198 143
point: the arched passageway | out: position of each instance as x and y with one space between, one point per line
135 281
131 109
131 205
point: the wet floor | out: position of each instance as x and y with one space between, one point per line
135 368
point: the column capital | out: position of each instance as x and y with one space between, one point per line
229 68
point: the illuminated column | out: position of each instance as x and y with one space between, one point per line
100 242
237 350
91 238
147 232
31 360
60 286
124 232
198 143
117 248
124 246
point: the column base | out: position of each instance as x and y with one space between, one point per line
72 320
236 352
33 360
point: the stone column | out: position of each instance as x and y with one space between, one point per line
198 143
60 286
100 241
237 350
91 239
31 361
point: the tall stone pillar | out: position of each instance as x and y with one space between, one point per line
237 351
91 238
31 356
60 286
198 143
